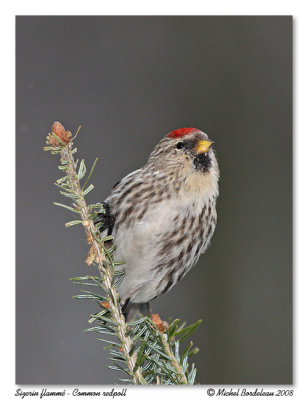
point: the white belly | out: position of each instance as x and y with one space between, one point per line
138 245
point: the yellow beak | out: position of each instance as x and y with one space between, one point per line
203 146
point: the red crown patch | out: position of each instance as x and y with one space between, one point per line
182 132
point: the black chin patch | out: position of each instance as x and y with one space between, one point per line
202 162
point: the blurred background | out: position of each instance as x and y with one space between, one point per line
128 81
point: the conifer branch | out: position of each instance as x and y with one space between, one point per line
175 362
148 348
106 275
93 239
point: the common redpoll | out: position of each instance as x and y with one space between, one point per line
162 216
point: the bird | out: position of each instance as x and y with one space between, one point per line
162 217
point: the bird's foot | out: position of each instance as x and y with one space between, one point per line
104 220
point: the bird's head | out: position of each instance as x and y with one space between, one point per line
187 155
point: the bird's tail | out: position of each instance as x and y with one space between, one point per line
132 310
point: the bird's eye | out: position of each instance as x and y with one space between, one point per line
179 145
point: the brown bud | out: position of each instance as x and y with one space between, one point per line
52 140
91 256
161 325
104 304
66 136
57 128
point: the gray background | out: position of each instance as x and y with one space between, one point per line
129 81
